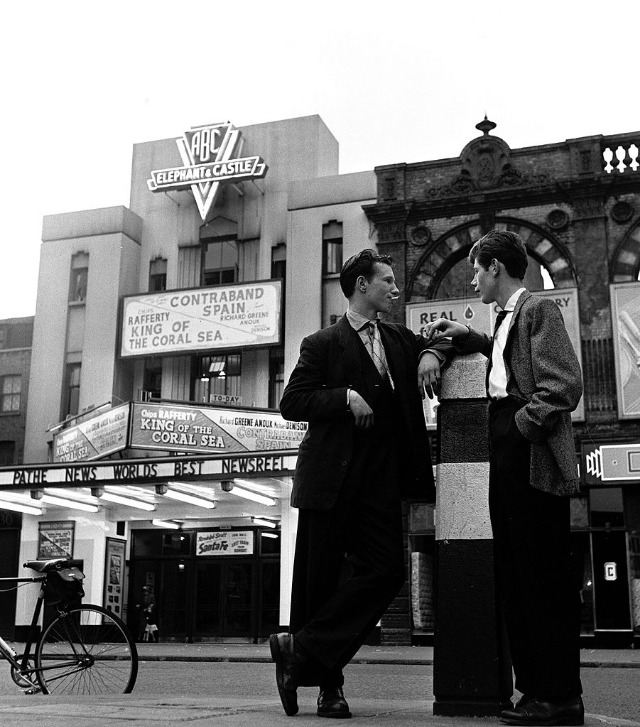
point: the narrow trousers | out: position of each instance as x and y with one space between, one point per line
531 532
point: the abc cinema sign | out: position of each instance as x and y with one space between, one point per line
210 156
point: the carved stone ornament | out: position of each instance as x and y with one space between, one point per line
622 212
420 235
486 164
557 219
390 231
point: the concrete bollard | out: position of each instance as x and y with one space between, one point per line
472 670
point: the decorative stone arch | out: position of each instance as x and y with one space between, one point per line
445 252
625 264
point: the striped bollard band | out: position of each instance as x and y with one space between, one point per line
472 671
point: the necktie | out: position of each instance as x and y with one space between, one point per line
500 317
375 348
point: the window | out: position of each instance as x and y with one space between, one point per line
157 275
71 403
279 261
152 378
606 507
79 277
219 379
3 337
276 377
11 388
331 248
220 262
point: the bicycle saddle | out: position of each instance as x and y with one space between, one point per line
44 566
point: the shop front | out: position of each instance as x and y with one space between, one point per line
199 534
209 585
606 537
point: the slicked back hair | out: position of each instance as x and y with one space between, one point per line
504 246
360 264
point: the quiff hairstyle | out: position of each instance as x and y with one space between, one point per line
360 264
504 246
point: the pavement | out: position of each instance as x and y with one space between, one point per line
165 710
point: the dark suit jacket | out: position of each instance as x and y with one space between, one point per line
330 362
542 370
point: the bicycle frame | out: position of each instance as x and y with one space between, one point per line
21 664
83 649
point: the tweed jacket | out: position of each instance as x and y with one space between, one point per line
330 362
542 370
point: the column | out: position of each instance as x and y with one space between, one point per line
472 671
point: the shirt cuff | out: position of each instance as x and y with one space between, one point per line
441 357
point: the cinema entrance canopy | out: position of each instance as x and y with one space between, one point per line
237 462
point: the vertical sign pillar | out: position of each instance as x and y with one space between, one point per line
472 670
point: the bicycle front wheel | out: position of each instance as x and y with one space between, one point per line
86 650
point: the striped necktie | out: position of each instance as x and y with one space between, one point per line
375 349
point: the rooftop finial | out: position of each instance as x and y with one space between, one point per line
485 126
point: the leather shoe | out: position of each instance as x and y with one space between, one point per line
524 699
331 703
540 713
288 668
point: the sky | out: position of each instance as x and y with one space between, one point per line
402 81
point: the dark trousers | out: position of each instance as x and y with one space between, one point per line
349 563
531 531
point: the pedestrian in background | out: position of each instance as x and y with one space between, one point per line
148 615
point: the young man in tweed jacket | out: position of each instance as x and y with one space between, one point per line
533 384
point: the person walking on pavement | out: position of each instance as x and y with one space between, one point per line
358 384
533 383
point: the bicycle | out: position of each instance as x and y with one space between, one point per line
83 649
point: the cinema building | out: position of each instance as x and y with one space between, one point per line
165 331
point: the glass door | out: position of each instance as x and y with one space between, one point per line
224 599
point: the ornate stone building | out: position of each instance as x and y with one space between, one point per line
578 214
576 204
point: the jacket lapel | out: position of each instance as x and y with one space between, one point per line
392 352
349 343
516 312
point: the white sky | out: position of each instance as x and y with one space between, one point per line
394 81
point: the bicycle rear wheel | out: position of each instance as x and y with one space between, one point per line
87 650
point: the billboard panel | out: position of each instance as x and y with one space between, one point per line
202 319
211 431
625 310
93 438
482 317
224 542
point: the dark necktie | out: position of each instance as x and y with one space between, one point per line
501 316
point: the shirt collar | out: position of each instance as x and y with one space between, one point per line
511 303
356 320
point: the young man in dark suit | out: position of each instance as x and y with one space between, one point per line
359 384
533 383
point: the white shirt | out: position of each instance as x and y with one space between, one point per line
498 373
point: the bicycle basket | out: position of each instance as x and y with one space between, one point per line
64 586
